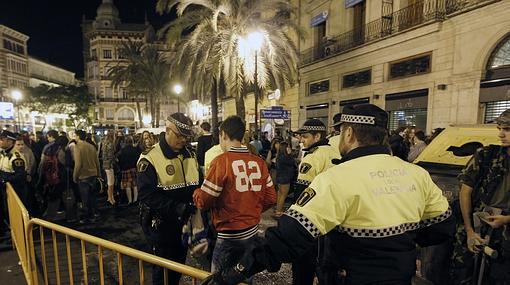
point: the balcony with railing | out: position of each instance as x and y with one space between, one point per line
420 13
120 100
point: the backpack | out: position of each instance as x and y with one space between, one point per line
51 169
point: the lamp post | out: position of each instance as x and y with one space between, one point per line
178 90
253 43
17 96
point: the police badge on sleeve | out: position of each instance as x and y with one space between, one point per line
305 197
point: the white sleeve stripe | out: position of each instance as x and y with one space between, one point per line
209 188
212 185
210 192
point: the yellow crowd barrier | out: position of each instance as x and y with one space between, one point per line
22 229
18 219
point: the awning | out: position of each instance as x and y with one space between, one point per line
350 3
318 19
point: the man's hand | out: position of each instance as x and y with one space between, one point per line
474 241
497 221
227 276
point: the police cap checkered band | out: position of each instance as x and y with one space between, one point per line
358 119
366 114
182 123
312 125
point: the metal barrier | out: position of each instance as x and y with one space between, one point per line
18 219
23 239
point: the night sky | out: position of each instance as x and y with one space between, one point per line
54 25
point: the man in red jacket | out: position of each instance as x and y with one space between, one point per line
238 188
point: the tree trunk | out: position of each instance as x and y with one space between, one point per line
214 104
240 107
158 111
153 111
139 111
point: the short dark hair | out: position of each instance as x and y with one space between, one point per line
52 133
234 127
81 134
368 134
206 126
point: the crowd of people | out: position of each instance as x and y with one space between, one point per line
351 206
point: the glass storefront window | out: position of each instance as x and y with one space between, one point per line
409 117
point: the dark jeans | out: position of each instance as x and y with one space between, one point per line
165 240
88 194
227 252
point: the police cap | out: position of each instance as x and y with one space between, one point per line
8 134
312 125
336 119
182 122
366 114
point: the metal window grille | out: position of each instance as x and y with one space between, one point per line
494 109
409 117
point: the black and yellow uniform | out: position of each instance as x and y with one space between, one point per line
12 170
372 220
317 159
166 181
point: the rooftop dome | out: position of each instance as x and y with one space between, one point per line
107 9
107 15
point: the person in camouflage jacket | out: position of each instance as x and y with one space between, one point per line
484 182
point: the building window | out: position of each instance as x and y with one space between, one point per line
107 53
357 79
318 111
494 109
410 67
318 87
93 54
14 47
124 94
410 117
108 92
407 109
126 115
109 114
120 54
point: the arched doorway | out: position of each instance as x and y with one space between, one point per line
495 86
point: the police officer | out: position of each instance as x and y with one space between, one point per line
334 138
168 174
317 158
374 218
12 170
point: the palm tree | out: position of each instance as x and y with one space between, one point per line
126 73
146 74
210 54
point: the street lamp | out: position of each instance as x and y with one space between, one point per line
17 96
252 44
178 90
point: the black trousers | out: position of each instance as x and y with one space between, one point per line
164 237
303 269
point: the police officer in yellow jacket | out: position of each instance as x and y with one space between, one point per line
12 170
168 174
373 219
318 157
334 138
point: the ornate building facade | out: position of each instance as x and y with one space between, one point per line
14 71
429 63
102 39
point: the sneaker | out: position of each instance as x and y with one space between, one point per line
84 221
